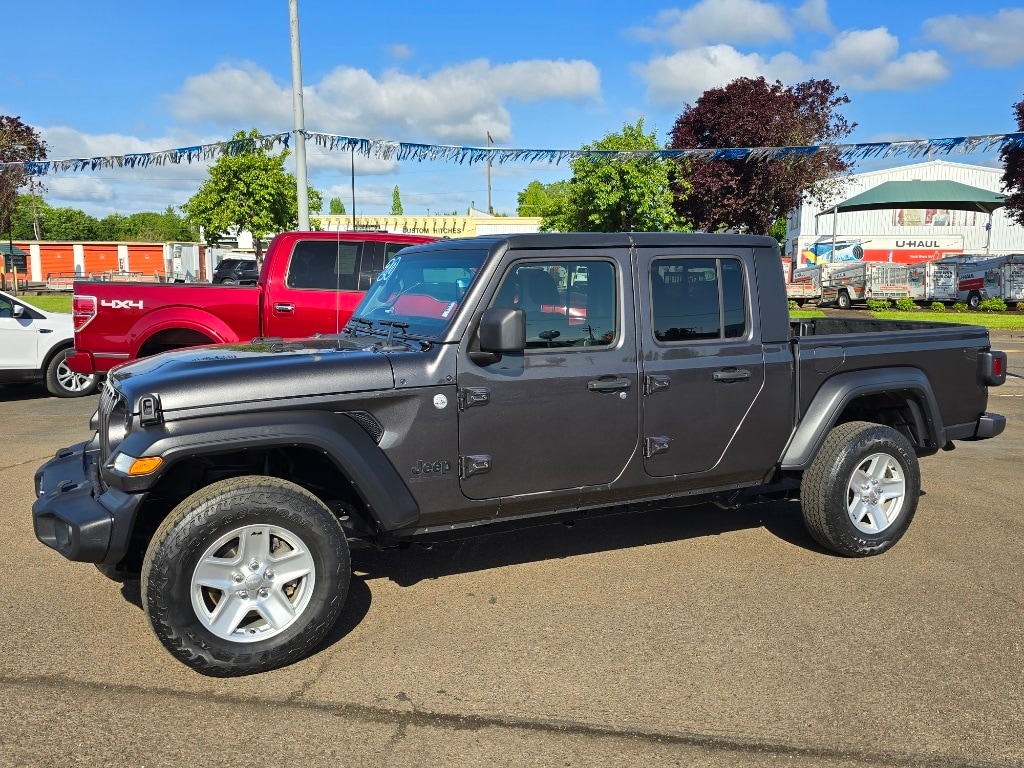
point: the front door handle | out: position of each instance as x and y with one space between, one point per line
731 374
608 384
281 307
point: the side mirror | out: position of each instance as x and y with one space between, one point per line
503 330
17 311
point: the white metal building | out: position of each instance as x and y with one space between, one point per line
912 234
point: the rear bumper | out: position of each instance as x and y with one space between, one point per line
81 362
988 425
77 516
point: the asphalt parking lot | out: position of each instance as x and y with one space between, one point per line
701 637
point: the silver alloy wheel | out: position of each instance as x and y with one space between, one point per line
253 583
876 493
71 381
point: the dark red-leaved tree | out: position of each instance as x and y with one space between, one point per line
750 195
19 143
1013 176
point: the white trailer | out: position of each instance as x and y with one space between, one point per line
806 283
862 281
933 280
998 277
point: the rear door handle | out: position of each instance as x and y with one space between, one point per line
281 307
608 384
731 374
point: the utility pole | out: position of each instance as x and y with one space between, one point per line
490 208
300 123
35 211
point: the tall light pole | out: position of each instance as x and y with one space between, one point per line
490 208
302 186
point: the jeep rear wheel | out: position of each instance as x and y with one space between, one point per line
860 492
246 575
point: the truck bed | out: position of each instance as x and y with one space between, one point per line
946 353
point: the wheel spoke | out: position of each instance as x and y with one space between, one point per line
276 609
893 488
255 543
877 517
293 565
216 572
879 467
228 614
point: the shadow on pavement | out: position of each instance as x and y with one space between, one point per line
600 534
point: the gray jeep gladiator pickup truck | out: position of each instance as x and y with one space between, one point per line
491 382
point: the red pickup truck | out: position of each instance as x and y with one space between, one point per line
309 283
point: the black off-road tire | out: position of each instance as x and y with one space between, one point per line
61 381
840 497
843 300
253 515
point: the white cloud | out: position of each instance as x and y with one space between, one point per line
683 76
869 60
456 104
858 59
995 41
814 14
235 96
78 188
717 21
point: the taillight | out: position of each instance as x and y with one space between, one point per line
993 368
83 309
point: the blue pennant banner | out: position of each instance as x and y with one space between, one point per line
400 151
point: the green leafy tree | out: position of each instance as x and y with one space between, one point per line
618 195
539 199
396 202
752 195
69 224
337 207
26 208
19 143
248 190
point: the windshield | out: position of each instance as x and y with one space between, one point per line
421 290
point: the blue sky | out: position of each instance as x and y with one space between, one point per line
117 77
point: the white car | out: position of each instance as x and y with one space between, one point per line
33 345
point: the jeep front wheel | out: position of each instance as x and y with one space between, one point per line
246 575
860 492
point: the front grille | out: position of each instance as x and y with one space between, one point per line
113 420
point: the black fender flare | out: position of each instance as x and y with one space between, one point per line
338 436
839 391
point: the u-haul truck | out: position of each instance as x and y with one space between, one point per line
933 280
848 283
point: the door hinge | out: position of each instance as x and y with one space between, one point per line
655 445
471 396
654 384
474 465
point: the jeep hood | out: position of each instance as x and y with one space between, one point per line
263 370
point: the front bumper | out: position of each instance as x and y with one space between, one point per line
75 514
